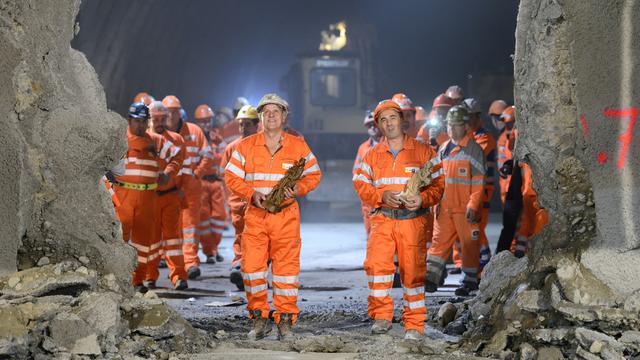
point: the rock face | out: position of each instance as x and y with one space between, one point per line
57 140
576 111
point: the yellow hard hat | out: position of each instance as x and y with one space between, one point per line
247 112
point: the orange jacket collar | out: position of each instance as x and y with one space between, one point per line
260 139
408 143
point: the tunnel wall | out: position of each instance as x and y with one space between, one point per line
58 138
577 98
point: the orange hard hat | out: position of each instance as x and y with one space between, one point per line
385 105
497 107
454 92
203 112
171 102
420 114
404 101
509 114
144 98
442 100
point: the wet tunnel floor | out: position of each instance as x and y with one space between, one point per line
332 296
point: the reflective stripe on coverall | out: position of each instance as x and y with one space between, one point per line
379 172
464 170
270 236
168 228
198 158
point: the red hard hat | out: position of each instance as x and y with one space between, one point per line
404 101
203 112
454 92
509 114
385 105
420 114
171 102
442 100
497 107
144 98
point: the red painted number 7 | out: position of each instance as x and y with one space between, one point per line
625 139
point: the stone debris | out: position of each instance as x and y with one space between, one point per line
60 312
446 314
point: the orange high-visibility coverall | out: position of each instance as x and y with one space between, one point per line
366 209
237 204
168 227
489 147
231 131
532 217
137 205
270 236
504 154
378 172
464 169
198 158
213 212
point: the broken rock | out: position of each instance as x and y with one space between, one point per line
446 314
586 337
70 332
580 286
45 280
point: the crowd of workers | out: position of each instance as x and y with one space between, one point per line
181 182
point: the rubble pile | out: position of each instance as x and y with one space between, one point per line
67 310
553 307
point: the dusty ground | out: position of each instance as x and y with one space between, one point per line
333 302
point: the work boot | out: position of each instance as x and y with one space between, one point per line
150 284
181 285
210 259
466 289
219 258
430 287
284 327
193 272
261 326
140 289
380 327
162 264
455 271
412 335
236 278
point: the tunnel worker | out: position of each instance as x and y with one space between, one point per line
408 113
455 93
257 164
505 156
135 181
373 140
434 131
213 212
521 207
459 213
247 119
488 144
397 226
168 228
197 160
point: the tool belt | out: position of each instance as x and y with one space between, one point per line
140 187
401 214
165 192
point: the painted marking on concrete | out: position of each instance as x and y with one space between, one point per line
626 138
